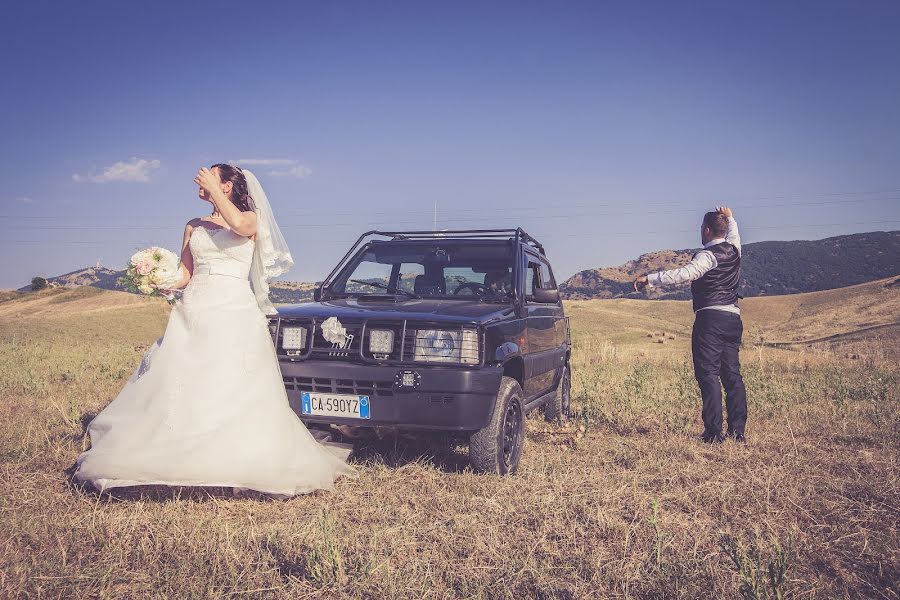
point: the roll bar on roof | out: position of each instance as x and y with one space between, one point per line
518 234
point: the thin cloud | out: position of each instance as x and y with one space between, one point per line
137 170
291 167
298 171
264 162
24 199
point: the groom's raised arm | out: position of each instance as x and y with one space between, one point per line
733 236
702 262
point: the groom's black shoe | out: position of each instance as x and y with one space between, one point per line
712 438
737 437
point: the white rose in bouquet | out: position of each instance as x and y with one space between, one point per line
163 279
151 271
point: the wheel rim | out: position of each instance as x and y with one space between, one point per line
512 433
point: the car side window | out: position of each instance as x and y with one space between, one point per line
547 281
532 277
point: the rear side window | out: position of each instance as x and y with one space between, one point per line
533 276
547 281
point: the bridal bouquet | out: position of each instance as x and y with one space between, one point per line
151 271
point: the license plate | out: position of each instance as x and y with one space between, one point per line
335 405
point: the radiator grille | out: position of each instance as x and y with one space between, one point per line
339 386
442 399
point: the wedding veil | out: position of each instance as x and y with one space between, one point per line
271 255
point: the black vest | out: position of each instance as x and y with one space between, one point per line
719 285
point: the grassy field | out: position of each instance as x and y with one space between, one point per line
622 502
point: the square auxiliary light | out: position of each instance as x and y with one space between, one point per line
381 341
407 379
293 338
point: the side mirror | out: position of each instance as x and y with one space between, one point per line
546 296
317 295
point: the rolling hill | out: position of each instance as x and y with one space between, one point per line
768 268
100 277
281 292
859 319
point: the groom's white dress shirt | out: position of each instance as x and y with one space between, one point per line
702 262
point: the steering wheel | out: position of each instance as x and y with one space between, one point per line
478 289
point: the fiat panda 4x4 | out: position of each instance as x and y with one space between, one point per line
451 331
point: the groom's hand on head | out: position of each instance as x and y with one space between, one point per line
724 210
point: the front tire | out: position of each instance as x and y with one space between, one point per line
498 447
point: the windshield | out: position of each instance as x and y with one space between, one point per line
430 269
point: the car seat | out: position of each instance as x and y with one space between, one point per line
499 280
430 285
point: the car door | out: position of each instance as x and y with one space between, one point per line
560 327
545 349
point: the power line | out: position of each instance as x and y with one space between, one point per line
614 203
550 236
486 219
610 204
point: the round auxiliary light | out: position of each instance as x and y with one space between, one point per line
440 342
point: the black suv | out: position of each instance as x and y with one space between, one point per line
453 331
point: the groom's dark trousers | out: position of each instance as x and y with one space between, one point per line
715 341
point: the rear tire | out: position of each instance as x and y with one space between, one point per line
560 408
498 447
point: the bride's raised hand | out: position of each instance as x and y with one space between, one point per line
208 180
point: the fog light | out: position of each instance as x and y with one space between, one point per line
293 338
408 379
381 341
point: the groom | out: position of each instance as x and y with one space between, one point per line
715 274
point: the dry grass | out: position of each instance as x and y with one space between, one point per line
621 503
820 314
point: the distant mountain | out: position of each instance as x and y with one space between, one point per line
291 292
100 277
617 282
281 292
768 268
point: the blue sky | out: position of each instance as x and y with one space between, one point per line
605 129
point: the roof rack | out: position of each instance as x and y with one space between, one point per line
517 234
463 234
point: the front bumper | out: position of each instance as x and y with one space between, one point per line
447 398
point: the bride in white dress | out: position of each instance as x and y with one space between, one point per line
207 405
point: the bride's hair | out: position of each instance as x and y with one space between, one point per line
240 197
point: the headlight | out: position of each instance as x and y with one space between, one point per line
439 345
293 338
381 341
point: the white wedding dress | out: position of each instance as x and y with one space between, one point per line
207 405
